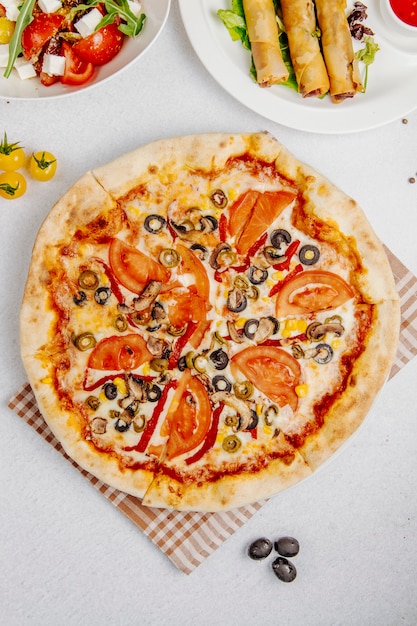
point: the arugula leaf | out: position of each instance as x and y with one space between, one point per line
131 25
367 55
15 46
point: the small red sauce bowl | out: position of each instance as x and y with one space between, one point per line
401 15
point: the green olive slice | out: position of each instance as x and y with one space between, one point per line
84 341
169 257
93 402
243 390
231 443
159 365
88 280
120 323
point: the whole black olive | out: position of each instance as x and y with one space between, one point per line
287 546
260 549
284 569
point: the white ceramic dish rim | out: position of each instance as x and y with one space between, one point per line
156 11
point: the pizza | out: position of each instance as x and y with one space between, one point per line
206 320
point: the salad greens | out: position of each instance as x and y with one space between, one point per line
367 55
15 46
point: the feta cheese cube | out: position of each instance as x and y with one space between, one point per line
135 7
49 6
24 68
4 54
87 24
53 65
12 12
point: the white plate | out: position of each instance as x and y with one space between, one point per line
392 82
156 12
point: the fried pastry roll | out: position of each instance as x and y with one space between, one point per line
299 18
263 36
336 41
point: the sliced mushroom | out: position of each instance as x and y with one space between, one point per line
234 334
317 331
266 328
98 425
214 257
136 391
236 301
156 346
148 296
241 408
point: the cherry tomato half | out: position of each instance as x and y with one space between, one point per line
12 185
39 32
77 71
101 46
6 29
42 166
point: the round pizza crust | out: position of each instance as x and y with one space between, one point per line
99 192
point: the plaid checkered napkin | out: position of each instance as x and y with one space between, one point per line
189 538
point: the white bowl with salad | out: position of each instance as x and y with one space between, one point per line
54 48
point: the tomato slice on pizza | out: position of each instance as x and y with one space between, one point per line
134 269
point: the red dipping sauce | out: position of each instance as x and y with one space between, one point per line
405 10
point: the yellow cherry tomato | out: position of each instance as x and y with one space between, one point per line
12 185
42 166
6 30
12 156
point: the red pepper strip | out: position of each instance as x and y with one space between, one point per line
151 425
223 227
291 250
210 437
180 343
251 252
218 276
279 285
285 341
112 279
171 231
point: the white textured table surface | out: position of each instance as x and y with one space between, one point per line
66 555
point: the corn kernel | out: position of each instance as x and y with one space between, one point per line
232 193
336 343
146 369
278 275
47 380
301 390
267 430
302 325
121 385
102 396
240 322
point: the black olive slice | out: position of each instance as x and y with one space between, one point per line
110 391
309 255
279 237
324 354
154 223
221 383
121 426
182 364
260 549
102 295
200 250
208 222
257 275
219 359
153 392
253 421
80 298
250 328
284 569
